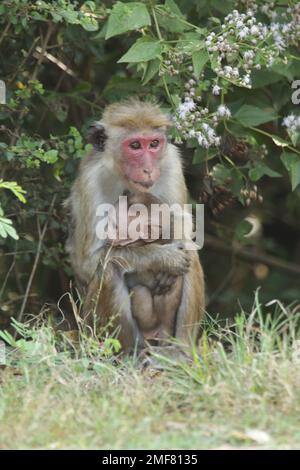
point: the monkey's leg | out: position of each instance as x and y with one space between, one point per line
192 305
165 307
143 312
108 305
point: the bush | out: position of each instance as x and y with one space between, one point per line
225 70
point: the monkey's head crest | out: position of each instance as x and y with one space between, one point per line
134 114
131 114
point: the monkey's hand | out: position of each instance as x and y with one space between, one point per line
163 283
175 262
159 283
175 259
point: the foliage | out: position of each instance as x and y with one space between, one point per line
224 70
6 224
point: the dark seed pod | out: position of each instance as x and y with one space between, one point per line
217 197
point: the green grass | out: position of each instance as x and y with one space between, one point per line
244 393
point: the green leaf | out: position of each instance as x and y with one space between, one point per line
294 136
50 156
102 33
151 70
170 17
261 170
291 162
11 232
279 141
189 44
261 78
8 338
89 23
199 59
70 16
202 155
143 50
221 172
250 116
127 17
174 8
6 229
13 186
223 7
283 70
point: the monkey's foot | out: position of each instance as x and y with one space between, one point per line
164 357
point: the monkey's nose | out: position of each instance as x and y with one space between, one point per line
147 171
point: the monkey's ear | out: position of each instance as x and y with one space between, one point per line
96 136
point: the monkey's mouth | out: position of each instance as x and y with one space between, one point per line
144 184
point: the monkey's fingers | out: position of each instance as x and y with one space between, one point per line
164 284
180 266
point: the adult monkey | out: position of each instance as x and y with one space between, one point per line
131 152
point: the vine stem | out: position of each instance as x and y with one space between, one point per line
156 24
161 39
168 91
260 131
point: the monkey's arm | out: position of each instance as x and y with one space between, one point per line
159 283
172 258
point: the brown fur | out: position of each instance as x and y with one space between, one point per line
134 114
98 182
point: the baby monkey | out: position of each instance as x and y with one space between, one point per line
155 295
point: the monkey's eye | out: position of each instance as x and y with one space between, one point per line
135 145
154 144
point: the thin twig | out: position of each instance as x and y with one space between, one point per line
45 42
6 277
15 253
36 260
54 60
248 255
5 31
20 67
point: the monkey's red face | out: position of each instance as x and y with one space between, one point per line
140 162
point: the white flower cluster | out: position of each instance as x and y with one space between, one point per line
194 122
276 29
223 111
245 26
285 26
216 90
292 123
243 43
206 136
236 44
186 107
